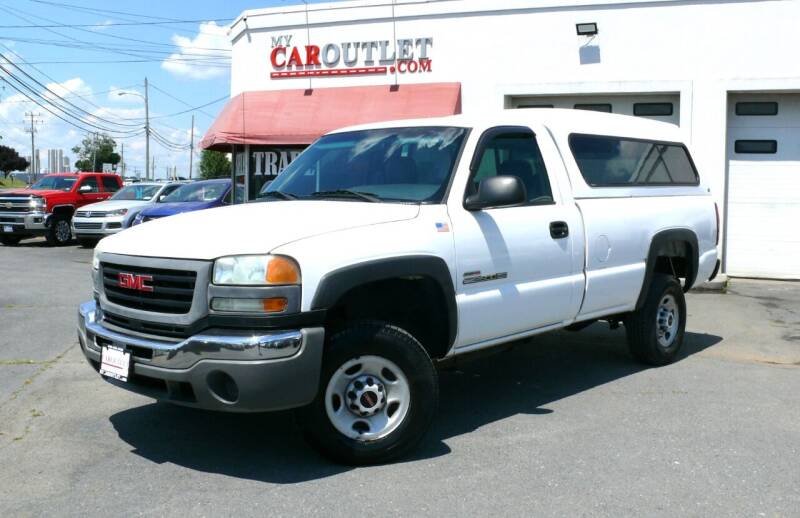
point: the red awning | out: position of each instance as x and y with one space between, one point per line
283 117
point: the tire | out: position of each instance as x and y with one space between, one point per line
400 418
655 331
87 242
59 233
10 240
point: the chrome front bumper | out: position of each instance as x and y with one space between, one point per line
231 370
24 221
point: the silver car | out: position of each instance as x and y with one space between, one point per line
93 222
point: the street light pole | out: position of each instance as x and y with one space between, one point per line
191 148
147 131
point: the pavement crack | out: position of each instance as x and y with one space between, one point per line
44 365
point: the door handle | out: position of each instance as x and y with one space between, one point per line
559 229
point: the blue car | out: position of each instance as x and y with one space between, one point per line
201 195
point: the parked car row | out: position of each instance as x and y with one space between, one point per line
90 206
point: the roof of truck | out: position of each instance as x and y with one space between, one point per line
561 120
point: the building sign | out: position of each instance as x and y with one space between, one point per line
349 58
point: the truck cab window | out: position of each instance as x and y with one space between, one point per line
515 154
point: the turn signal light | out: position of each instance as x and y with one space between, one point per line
281 270
271 305
274 305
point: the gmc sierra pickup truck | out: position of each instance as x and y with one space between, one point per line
46 207
385 251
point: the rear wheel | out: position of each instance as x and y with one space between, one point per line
377 397
59 232
655 331
10 240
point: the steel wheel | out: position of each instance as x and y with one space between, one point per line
667 320
367 398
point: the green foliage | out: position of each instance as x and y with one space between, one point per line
11 161
94 151
214 164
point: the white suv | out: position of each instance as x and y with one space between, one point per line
95 221
387 250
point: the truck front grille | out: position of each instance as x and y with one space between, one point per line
15 204
172 290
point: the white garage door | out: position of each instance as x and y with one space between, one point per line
665 108
763 236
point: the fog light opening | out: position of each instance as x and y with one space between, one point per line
223 387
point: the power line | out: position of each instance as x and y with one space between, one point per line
196 108
108 24
181 101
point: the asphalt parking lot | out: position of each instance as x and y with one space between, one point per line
566 424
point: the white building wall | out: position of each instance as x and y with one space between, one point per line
700 50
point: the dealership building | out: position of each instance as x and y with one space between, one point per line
726 72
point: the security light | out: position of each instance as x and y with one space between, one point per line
586 29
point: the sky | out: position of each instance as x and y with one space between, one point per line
114 46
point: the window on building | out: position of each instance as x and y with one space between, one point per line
535 106
517 154
91 181
110 184
605 108
652 109
757 108
765 147
615 161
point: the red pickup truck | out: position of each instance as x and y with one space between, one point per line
46 207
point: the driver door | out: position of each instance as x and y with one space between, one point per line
515 269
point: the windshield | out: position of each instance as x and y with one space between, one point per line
57 183
197 192
390 164
137 192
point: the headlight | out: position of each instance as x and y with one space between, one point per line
256 270
37 203
96 260
118 212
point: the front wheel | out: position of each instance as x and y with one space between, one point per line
655 331
377 397
59 232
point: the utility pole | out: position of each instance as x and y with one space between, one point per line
122 160
147 133
191 148
32 131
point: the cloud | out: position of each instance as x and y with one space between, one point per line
53 133
102 26
203 57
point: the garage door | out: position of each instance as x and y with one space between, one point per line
665 108
763 236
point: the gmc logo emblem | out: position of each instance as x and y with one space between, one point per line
132 281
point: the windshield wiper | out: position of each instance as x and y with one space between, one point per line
278 194
346 193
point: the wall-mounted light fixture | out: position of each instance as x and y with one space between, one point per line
586 29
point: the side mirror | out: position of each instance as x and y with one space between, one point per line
85 188
161 197
497 191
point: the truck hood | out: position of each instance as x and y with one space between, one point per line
168 209
109 205
253 228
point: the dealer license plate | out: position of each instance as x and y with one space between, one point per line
115 363
8 228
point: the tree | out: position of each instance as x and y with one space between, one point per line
11 161
94 151
214 164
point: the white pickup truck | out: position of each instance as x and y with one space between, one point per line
384 251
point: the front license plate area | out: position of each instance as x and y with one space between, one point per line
115 363
8 228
